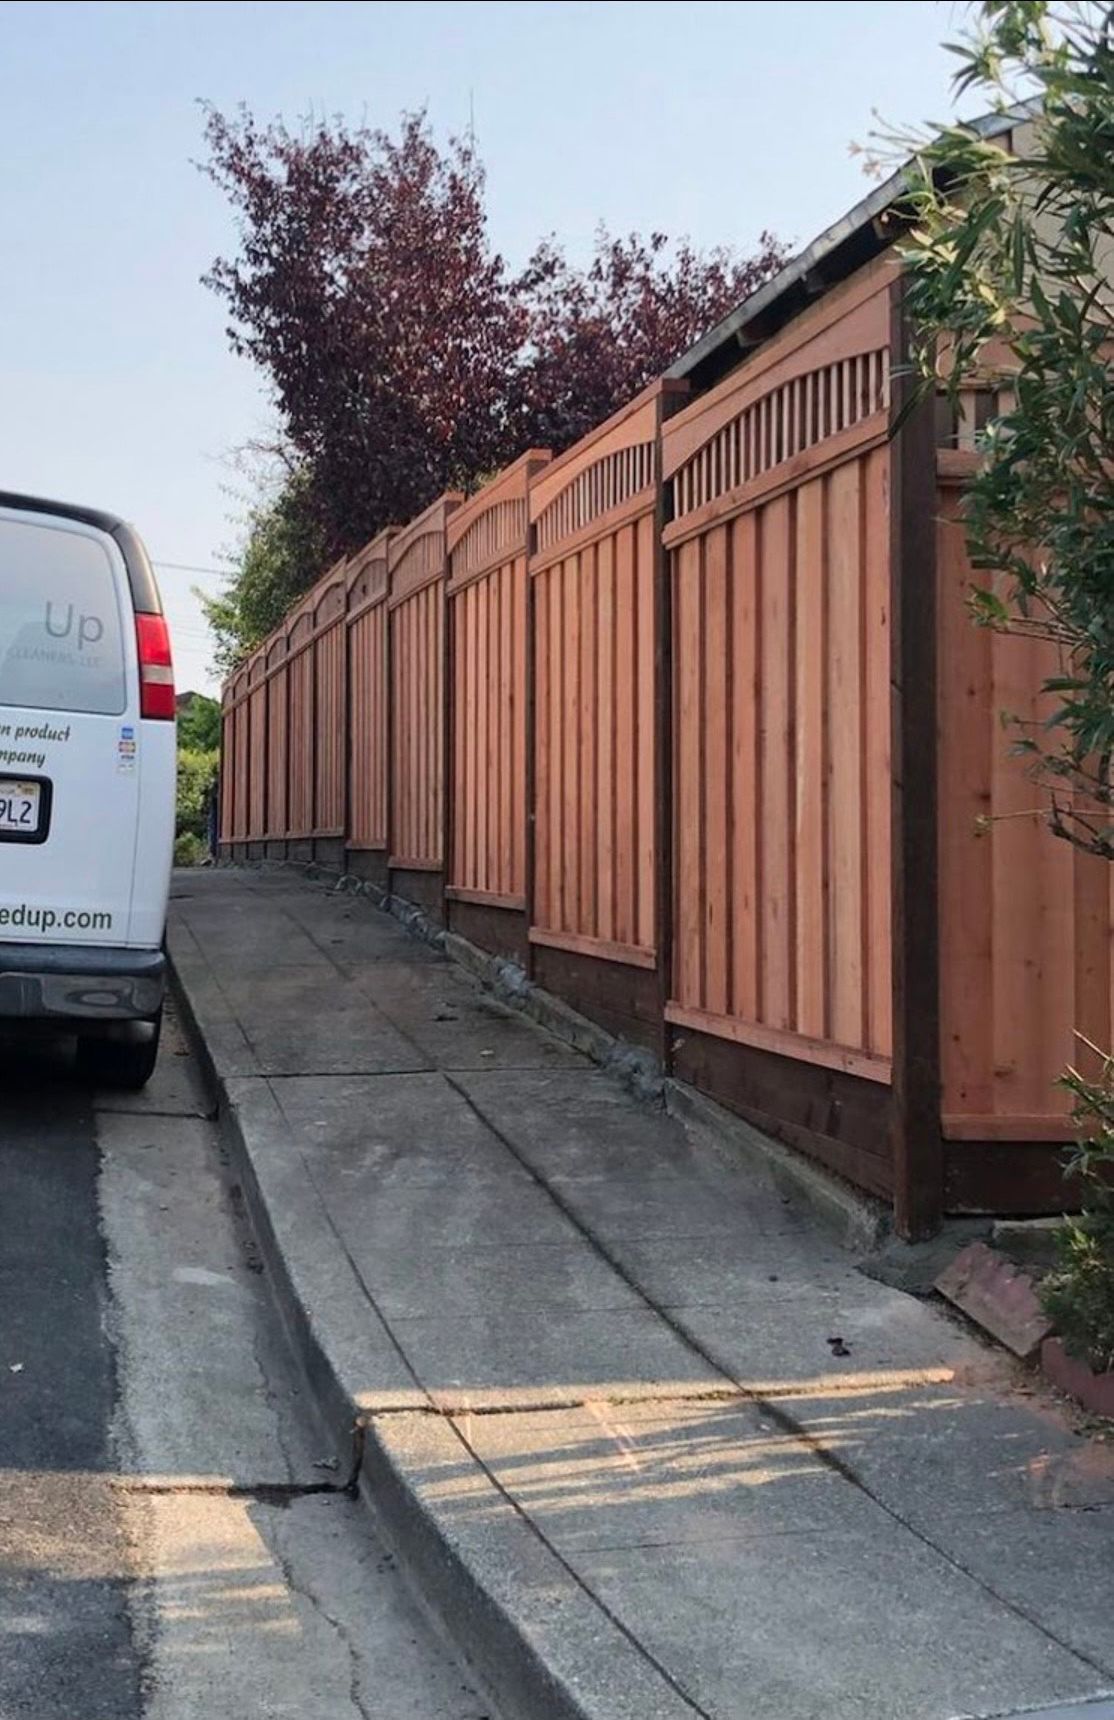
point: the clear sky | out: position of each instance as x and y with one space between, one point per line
117 386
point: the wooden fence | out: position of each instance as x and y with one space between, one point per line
487 590
234 760
692 723
1025 919
276 747
596 600
780 555
418 569
367 725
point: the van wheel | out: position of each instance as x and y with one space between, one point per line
127 1063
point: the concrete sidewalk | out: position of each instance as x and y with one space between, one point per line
645 1436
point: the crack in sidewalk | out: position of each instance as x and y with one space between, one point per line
264 1492
344 1637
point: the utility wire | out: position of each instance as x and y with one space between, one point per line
188 567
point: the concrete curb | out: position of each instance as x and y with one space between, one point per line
860 1224
536 1637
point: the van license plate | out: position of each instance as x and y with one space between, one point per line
19 807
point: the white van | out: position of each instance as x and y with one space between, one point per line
87 782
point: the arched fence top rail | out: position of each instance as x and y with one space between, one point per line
367 573
417 555
300 632
604 479
814 397
315 612
236 687
494 525
318 610
330 606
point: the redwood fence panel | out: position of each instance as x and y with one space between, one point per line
236 755
367 696
299 819
330 716
418 568
487 592
277 738
306 754
780 552
257 749
1025 919
595 572
227 763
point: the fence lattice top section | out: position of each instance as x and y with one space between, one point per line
807 398
607 477
318 610
367 574
417 555
607 483
493 527
330 605
790 419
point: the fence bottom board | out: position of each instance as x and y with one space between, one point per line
499 931
839 1120
1058 1130
421 885
631 955
370 864
484 898
403 863
365 847
625 1000
867 1065
1022 1179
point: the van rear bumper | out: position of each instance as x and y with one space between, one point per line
80 982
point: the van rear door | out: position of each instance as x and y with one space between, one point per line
69 734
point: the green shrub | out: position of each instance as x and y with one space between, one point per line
197 772
190 850
199 724
1079 1296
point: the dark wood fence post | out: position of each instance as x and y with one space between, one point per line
288 765
669 401
389 728
447 738
531 724
918 1160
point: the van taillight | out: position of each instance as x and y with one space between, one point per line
156 673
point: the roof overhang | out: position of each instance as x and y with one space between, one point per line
866 230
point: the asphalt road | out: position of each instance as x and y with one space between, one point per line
68 1645
166 1549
